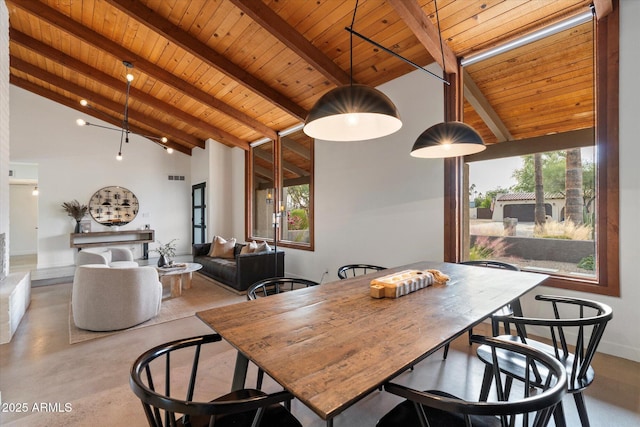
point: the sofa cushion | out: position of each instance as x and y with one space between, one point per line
222 248
249 248
262 247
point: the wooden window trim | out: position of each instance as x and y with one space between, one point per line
607 281
277 192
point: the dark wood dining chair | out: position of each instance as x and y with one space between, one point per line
272 286
353 270
167 390
511 308
577 325
276 285
437 408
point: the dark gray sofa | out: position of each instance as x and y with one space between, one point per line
240 272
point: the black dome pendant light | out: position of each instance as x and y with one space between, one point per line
352 112
448 139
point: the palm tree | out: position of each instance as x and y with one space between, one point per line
573 187
539 210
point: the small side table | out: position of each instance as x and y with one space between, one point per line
180 277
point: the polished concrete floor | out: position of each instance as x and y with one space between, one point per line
86 384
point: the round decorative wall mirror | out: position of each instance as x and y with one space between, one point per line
113 206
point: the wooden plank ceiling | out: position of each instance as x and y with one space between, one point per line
241 70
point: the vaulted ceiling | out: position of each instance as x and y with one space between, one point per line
238 71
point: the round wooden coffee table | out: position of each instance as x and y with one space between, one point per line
180 277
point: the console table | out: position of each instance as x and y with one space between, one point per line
111 238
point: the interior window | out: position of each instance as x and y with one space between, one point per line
263 190
281 197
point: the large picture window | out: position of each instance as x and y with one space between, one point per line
281 191
551 202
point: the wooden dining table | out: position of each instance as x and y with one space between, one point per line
331 345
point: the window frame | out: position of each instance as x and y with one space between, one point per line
606 77
277 197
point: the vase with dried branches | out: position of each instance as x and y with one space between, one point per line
75 210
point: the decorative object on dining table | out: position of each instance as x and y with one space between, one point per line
75 210
404 282
166 251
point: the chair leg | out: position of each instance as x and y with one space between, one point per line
582 409
558 416
487 379
446 351
470 333
260 379
495 328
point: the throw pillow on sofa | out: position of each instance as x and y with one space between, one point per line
222 248
249 248
262 247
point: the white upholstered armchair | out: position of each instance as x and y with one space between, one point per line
108 299
113 257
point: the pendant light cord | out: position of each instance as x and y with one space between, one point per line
353 21
444 67
352 32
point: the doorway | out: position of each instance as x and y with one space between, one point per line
198 213
23 227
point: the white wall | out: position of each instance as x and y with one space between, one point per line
4 132
74 162
222 168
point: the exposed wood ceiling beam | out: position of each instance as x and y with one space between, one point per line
291 145
286 165
115 84
264 172
60 99
149 18
80 92
279 28
295 169
603 8
68 25
476 98
522 147
426 32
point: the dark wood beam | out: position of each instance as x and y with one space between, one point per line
420 24
540 144
483 107
108 104
102 78
293 146
173 33
96 40
279 28
71 103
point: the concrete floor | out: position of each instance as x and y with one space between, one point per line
86 384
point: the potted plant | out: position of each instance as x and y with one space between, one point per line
166 251
75 210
